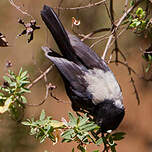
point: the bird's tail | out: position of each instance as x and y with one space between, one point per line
58 32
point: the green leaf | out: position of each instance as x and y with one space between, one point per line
23 74
26 123
132 3
73 120
25 90
88 127
83 120
24 82
13 84
1 94
42 138
139 11
149 57
42 116
6 78
96 151
56 124
24 100
72 149
118 136
81 148
68 133
99 141
148 67
113 148
20 72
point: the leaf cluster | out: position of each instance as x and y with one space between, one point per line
44 128
138 21
80 130
12 92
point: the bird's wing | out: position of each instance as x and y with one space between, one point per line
89 58
70 46
71 72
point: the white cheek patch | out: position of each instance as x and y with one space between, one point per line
103 85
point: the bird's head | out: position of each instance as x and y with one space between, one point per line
108 115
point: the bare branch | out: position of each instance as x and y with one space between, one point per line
18 8
40 77
82 7
88 36
130 70
43 101
117 26
126 4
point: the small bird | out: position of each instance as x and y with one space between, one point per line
89 82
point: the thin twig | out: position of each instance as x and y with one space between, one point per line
126 4
134 86
130 70
18 8
103 38
40 77
93 33
117 26
60 3
107 10
82 7
43 101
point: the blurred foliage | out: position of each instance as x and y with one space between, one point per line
12 97
80 130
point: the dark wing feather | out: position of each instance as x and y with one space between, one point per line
58 32
72 73
89 58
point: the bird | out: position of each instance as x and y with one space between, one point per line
89 83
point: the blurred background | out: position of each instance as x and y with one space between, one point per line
138 119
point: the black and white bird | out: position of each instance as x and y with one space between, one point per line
89 83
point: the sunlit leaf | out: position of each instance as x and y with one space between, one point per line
42 116
56 124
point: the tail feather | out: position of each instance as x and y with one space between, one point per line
70 46
58 32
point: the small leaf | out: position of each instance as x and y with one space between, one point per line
6 78
26 123
42 116
24 100
81 148
132 3
99 141
89 127
56 124
73 120
67 134
7 103
139 11
118 136
20 72
23 74
25 90
83 120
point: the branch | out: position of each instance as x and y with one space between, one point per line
82 7
40 77
130 70
117 26
93 33
18 8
